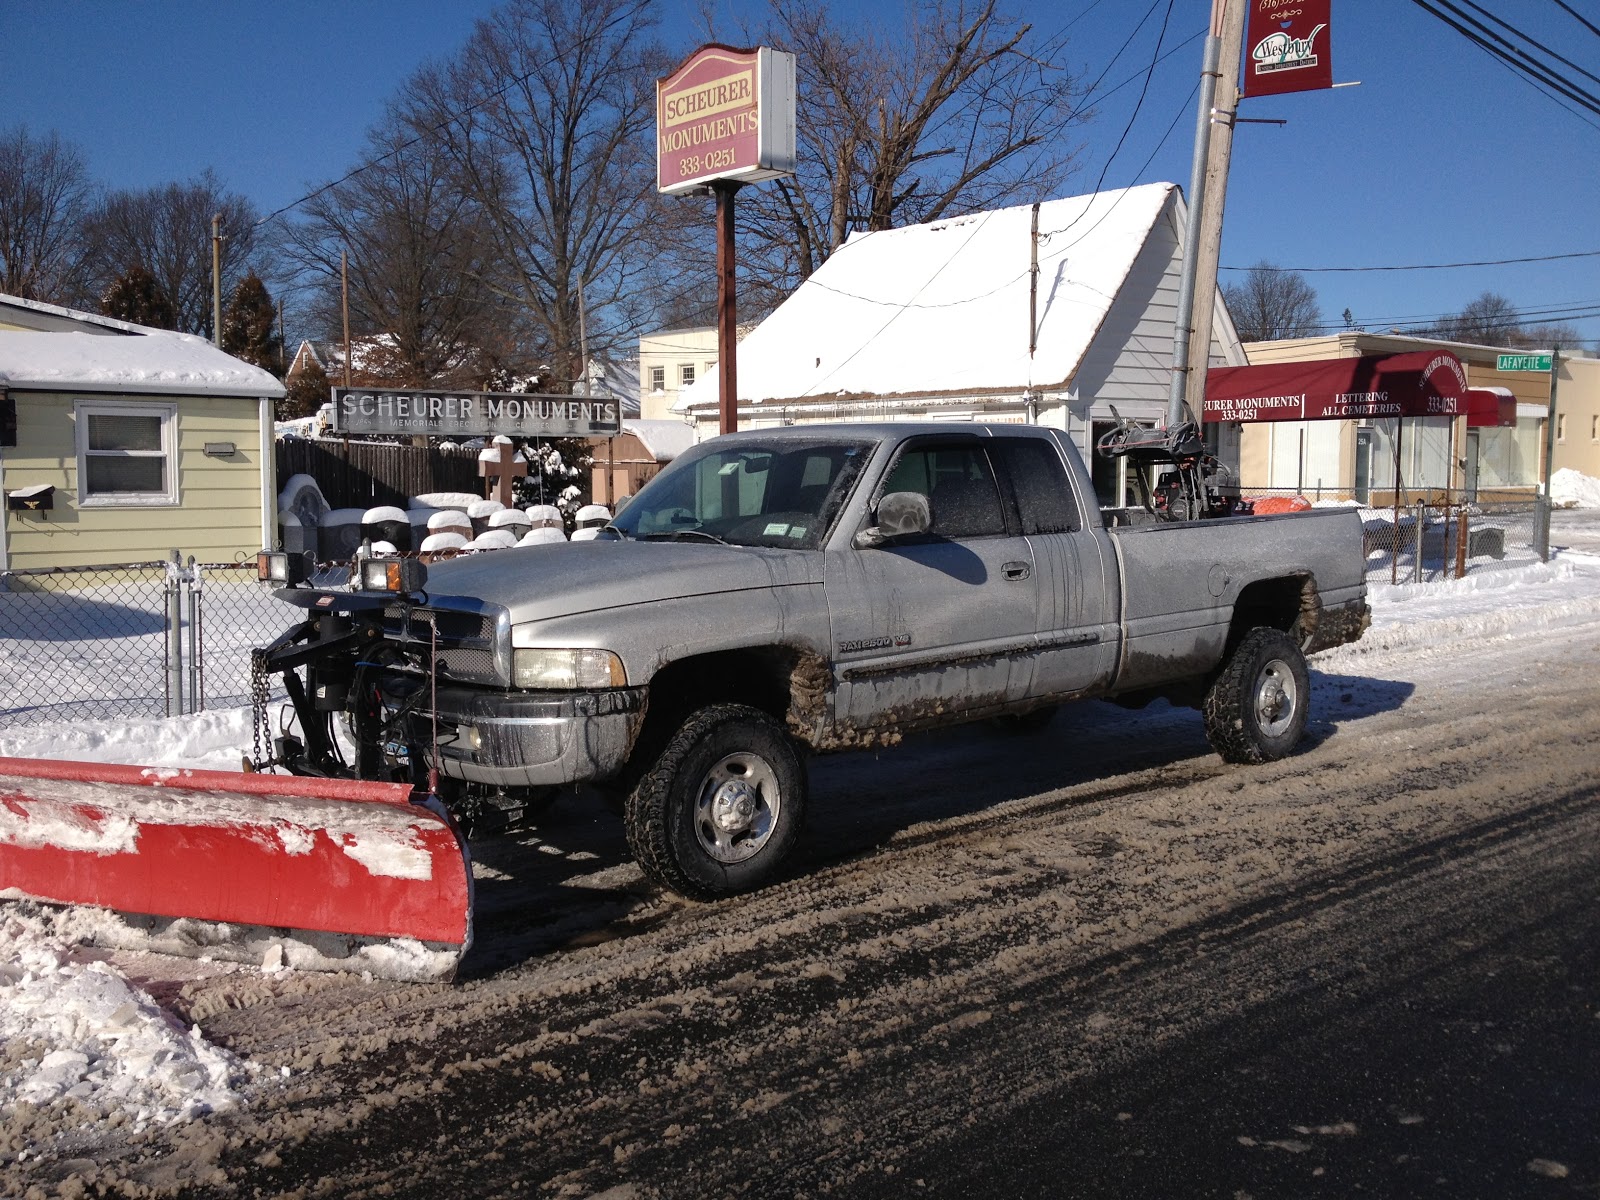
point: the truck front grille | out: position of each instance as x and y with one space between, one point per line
465 640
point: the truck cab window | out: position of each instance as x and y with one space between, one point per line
958 482
1044 496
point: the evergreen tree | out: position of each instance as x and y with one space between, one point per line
250 325
308 391
136 296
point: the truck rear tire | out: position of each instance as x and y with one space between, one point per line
1255 712
722 807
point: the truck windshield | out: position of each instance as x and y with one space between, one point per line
783 493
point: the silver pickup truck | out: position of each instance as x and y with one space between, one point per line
803 590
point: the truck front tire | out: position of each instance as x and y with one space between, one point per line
722 807
1255 712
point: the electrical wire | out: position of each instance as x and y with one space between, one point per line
1579 17
1519 60
1488 262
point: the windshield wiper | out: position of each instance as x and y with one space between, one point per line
677 535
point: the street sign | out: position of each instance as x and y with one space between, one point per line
1522 362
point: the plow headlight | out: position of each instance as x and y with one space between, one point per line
566 670
399 575
281 568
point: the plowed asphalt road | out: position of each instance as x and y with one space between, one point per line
1094 961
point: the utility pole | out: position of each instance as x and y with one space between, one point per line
1033 287
216 281
344 305
1541 531
1225 41
1208 250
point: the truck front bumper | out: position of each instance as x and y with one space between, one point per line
531 739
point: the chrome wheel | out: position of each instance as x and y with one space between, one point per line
1277 698
737 807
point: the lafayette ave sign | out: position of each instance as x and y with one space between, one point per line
1522 362
472 414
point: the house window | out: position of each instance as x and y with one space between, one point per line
1561 427
1594 429
658 379
126 454
685 374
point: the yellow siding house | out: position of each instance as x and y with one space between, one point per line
120 443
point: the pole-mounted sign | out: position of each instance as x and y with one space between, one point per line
1288 47
725 114
725 118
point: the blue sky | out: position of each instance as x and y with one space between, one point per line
1442 155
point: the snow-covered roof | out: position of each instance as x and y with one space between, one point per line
142 360
664 440
942 308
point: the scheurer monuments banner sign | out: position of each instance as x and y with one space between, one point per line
472 414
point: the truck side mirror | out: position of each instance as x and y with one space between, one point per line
899 514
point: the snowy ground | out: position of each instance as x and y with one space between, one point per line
85 1050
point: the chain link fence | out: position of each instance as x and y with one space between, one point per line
131 639
167 638
1429 542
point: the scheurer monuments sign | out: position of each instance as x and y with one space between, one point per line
473 414
725 114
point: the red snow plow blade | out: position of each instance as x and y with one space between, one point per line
278 869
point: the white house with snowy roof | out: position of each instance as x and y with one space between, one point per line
120 443
932 322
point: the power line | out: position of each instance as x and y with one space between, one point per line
1480 34
1579 17
1488 262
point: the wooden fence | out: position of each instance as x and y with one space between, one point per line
367 474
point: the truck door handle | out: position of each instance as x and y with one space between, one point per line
1016 570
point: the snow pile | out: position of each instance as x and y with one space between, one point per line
217 740
1574 489
77 1031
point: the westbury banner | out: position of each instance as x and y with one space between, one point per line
1288 47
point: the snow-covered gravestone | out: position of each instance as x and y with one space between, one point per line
386 523
546 516
339 536
451 520
543 536
301 509
442 545
493 539
513 520
590 520
479 512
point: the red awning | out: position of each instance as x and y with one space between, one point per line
1422 383
1491 408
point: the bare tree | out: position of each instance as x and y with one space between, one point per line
546 117
44 197
1272 303
1490 319
418 248
167 231
965 109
